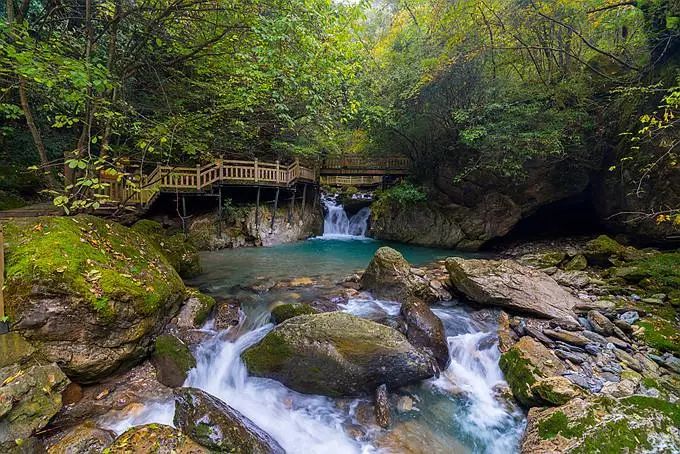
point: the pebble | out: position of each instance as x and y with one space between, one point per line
404 404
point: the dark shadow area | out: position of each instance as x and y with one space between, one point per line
575 216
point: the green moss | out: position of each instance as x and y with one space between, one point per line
661 334
88 258
148 227
644 405
520 375
283 312
174 349
662 272
267 356
206 305
180 252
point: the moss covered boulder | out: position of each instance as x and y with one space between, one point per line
30 395
603 424
524 364
337 354
195 310
155 439
91 295
180 252
390 276
283 312
604 251
218 427
173 360
85 438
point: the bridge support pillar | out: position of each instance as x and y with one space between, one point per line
257 211
276 207
304 194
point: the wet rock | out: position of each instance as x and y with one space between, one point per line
84 438
382 407
415 437
216 426
195 310
576 358
524 364
506 336
30 395
603 424
425 330
14 349
600 323
283 312
390 276
227 315
404 404
507 284
555 390
337 354
567 336
577 263
538 335
172 360
157 439
88 311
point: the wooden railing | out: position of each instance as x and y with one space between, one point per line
357 162
142 190
339 180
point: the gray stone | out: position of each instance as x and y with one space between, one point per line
382 407
600 323
567 336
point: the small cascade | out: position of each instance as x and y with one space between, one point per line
336 223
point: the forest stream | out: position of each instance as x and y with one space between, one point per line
463 410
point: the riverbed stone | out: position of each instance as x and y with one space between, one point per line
173 360
576 263
604 251
524 364
568 337
425 330
507 284
600 323
90 294
14 349
382 407
85 438
216 426
389 276
337 354
282 312
195 310
30 395
156 439
555 390
632 424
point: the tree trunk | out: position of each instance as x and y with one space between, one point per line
37 138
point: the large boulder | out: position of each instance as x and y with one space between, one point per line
90 294
85 438
507 284
389 276
30 395
283 312
180 252
218 427
337 354
156 439
632 424
524 364
173 360
425 330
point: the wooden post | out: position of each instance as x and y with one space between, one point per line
184 216
291 207
276 205
304 194
257 211
257 176
219 213
198 176
278 176
2 273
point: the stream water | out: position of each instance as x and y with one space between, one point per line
458 412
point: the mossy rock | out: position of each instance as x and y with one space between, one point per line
604 424
337 354
196 310
283 312
173 360
527 362
14 349
84 438
88 293
576 263
155 439
180 252
604 251
544 259
218 427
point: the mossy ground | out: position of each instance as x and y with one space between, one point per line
180 252
90 258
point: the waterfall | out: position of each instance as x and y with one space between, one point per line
336 223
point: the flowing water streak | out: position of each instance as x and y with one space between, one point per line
336 223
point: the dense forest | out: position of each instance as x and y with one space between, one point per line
487 87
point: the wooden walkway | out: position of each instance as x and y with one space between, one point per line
142 190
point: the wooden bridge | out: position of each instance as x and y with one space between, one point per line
141 190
